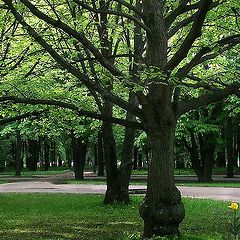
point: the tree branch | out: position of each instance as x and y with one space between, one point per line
206 99
131 7
19 117
93 86
205 53
195 32
183 8
181 24
112 12
77 35
80 112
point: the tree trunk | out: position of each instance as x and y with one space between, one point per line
162 209
229 146
18 159
140 161
79 157
32 159
207 150
125 169
69 155
220 159
135 158
46 155
95 160
110 158
100 154
53 154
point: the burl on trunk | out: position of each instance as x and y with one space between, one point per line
162 209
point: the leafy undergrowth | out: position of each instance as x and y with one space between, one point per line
59 216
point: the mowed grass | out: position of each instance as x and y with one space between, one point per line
26 173
72 216
3 181
144 183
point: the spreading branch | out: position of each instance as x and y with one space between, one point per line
80 112
112 12
208 98
93 86
19 117
206 53
195 32
131 7
77 35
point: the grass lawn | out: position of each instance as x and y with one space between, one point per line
196 184
27 173
212 184
190 172
3 181
58 216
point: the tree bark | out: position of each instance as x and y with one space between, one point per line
95 160
46 155
125 169
18 158
229 146
162 209
33 157
79 147
110 158
100 154
135 158
221 160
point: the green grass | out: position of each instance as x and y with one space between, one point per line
190 172
26 173
58 216
144 183
212 184
177 172
3 181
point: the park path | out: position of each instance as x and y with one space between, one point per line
216 193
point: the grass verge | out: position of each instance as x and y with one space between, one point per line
59 216
196 184
26 173
3 181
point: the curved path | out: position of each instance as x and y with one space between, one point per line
217 193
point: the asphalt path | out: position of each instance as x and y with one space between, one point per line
216 193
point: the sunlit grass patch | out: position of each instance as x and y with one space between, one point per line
73 216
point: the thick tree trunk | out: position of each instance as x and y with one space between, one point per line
110 158
18 159
207 150
33 157
100 154
140 161
53 154
135 158
125 169
79 157
162 209
46 156
229 146
221 159
95 160
69 156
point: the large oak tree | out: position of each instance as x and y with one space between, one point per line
179 39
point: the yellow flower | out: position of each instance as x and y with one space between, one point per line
233 206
